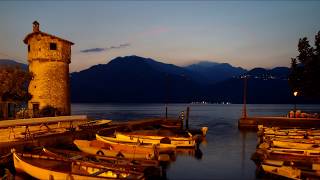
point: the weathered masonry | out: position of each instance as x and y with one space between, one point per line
49 58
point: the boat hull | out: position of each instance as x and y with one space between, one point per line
176 141
88 147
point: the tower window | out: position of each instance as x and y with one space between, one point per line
53 46
28 47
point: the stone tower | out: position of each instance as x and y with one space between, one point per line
49 58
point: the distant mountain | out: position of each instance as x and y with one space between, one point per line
261 91
215 72
134 79
9 62
138 79
275 73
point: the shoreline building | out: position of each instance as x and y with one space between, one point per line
49 58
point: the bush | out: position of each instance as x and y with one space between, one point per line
49 111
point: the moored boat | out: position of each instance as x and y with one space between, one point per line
161 146
95 124
282 171
150 137
47 167
96 147
296 152
296 145
79 155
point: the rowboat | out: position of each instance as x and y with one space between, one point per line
47 167
79 155
306 141
150 168
295 145
295 158
161 146
95 124
148 137
296 152
96 147
290 132
293 170
278 169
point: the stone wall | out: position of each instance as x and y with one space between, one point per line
50 84
40 49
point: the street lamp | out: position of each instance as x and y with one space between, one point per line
295 94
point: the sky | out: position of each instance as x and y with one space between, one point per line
243 33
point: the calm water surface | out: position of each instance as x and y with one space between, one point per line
227 151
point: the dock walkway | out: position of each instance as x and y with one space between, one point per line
60 135
283 122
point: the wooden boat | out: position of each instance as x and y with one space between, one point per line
278 169
284 137
295 145
95 124
160 146
79 155
96 147
289 132
150 168
150 137
46 167
296 159
296 152
293 170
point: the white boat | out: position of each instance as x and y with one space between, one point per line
159 146
46 167
295 145
156 139
295 152
100 148
280 170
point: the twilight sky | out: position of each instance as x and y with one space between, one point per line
243 33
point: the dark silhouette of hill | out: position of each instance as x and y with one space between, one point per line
133 79
215 72
275 73
138 79
259 91
10 62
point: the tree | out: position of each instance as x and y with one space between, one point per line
305 69
14 86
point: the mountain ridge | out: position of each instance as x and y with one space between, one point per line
138 79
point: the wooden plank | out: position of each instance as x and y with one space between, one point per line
39 121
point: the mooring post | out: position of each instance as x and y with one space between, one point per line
244 111
166 111
187 118
182 119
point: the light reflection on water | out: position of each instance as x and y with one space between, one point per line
227 151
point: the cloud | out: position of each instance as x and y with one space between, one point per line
96 50
93 50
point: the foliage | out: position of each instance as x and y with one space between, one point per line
49 111
305 68
14 84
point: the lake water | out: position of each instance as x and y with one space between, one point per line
226 152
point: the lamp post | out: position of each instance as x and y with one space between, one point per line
295 94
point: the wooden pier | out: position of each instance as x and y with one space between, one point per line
21 134
251 123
